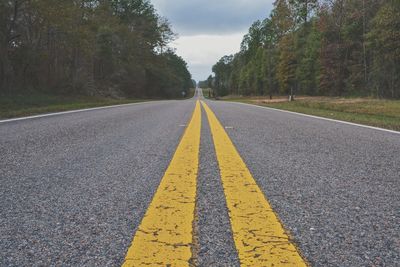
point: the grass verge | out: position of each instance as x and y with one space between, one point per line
33 104
373 112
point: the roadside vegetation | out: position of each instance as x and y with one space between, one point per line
57 54
36 103
207 93
368 111
317 48
33 103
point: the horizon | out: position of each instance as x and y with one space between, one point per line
212 34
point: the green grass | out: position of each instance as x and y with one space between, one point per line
373 112
35 103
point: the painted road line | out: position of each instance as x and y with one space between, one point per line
164 237
75 111
259 236
319 118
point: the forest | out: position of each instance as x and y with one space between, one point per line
88 47
311 47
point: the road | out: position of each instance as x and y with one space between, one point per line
83 189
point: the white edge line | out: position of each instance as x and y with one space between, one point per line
75 111
317 117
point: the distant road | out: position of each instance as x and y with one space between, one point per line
75 187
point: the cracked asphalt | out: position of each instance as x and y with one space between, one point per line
334 186
75 187
216 245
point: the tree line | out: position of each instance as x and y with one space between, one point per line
311 47
92 47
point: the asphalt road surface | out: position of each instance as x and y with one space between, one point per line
75 187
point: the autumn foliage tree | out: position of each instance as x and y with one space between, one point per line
325 47
95 47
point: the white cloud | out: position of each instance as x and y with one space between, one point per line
210 29
193 17
203 51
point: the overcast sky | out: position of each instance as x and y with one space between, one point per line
210 29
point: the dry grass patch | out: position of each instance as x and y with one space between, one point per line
374 112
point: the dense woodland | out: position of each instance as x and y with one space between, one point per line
90 47
311 47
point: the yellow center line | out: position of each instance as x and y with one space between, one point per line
164 236
259 236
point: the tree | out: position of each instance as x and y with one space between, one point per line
303 9
222 72
308 68
88 47
384 41
286 71
333 55
325 47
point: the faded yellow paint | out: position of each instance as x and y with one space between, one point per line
259 236
164 237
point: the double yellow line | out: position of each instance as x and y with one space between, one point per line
164 237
